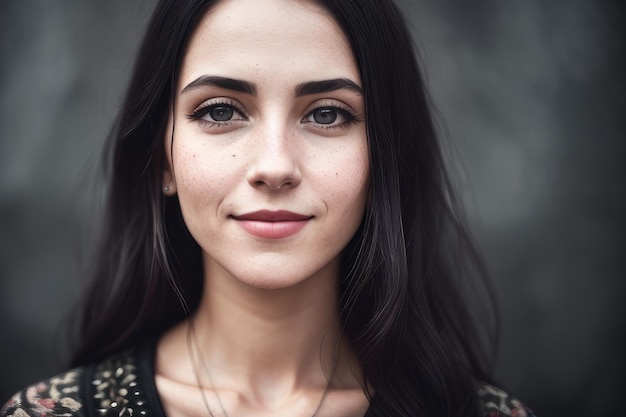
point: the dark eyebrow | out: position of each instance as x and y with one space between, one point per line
222 82
316 87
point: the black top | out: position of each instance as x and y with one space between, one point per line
124 385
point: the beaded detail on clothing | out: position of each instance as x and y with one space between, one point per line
123 386
116 389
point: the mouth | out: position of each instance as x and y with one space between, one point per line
272 216
269 224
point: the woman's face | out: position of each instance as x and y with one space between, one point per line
270 155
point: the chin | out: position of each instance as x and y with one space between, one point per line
272 272
272 282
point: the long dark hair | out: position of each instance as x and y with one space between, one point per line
410 274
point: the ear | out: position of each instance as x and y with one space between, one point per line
169 182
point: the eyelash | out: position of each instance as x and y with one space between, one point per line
199 114
205 108
350 118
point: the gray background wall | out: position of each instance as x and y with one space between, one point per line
533 94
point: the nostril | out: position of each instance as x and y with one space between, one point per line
274 188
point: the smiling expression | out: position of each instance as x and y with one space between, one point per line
269 157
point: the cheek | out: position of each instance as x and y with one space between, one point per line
358 185
201 177
348 181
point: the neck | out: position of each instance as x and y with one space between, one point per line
285 338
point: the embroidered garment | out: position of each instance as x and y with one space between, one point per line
123 386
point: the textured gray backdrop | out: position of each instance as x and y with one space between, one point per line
533 96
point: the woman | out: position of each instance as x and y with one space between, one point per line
281 236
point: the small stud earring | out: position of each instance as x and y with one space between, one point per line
166 189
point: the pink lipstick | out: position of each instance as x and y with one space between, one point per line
272 224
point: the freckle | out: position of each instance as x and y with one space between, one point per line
233 155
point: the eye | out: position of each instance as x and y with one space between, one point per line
220 113
325 116
329 117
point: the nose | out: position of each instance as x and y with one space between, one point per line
275 160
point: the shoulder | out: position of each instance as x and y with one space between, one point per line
495 402
110 387
58 396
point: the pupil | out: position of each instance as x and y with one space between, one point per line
325 116
221 113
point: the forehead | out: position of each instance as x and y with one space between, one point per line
259 38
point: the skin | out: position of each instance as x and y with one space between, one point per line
267 326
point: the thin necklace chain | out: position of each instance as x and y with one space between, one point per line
191 339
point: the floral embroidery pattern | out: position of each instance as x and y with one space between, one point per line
498 403
115 393
55 397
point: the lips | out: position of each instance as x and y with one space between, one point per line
269 224
272 216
